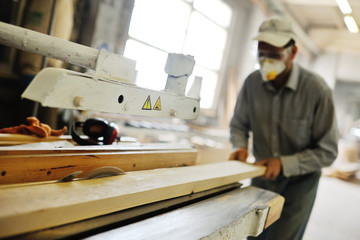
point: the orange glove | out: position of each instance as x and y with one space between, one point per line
34 127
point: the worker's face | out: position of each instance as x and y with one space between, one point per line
274 61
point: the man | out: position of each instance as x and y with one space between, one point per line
290 113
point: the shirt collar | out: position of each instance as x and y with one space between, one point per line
293 80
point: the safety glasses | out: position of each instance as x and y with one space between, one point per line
276 55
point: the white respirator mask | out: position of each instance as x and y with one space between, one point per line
272 65
271 68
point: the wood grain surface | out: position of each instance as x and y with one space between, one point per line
30 208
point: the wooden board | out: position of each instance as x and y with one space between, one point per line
25 209
116 147
46 167
7 139
97 224
233 215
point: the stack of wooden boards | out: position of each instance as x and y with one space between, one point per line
172 174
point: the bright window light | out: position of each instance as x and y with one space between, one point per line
351 24
344 6
161 23
216 10
208 86
355 131
195 27
205 41
150 64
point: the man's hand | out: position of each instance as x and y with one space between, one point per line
240 154
273 167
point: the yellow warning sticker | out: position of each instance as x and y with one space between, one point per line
147 104
157 105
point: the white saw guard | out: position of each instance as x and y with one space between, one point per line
60 88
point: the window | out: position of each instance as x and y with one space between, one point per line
195 27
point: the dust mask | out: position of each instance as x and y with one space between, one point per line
272 64
271 68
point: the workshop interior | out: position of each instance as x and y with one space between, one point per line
115 117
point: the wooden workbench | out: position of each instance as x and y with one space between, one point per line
162 193
30 208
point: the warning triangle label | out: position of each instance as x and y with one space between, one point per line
157 105
147 104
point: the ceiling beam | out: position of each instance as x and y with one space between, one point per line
310 2
335 40
318 2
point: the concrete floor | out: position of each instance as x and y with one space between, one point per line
336 213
